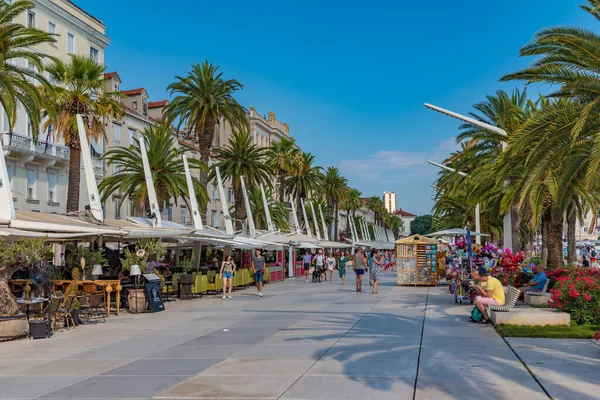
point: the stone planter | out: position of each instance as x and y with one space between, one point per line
137 300
75 314
186 281
13 327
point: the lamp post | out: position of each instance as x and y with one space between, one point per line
477 218
135 271
507 237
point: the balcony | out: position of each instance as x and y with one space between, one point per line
18 143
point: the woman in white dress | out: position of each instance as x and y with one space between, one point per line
330 266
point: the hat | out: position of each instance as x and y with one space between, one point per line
482 270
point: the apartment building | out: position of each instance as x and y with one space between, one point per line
389 201
38 169
406 218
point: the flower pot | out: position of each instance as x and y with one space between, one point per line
137 300
13 327
75 315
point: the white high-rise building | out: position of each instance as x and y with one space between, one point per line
389 200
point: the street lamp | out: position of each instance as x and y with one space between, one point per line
508 244
477 221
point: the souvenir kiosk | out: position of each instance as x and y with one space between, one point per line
416 261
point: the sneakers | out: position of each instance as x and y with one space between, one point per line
229 297
223 297
307 281
259 294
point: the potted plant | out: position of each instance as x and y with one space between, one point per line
146 250
186 279
75 311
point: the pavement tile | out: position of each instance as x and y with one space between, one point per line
260 366
437 388
29 388
224 339
116 387
366 366
70 367
311 351
164 367
199 352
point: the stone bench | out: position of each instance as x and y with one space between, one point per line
541 299
530 316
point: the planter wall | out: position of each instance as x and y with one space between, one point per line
13 327
137 300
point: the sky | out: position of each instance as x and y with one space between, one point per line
350 77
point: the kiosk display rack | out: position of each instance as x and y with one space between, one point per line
416 261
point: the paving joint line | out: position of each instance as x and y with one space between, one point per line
336 342
421 345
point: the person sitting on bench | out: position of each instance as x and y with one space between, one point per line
492 295
536 284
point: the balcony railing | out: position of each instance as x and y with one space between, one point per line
23 143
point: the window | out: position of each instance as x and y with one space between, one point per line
170 212
116 87
215 196
31 183
117 133
145 105
70 43
52 27
94 54
117 207
134 105
29 127
30 69
131 136
183 214
218 142
230 195
52 178
10 171
30 19
214 219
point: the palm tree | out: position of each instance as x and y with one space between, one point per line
79 90
17 82
278 211
202 99
376 205
334 188
240 157
304 179
281 157
351 203
166 166
327 216
396 225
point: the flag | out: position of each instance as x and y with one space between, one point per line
48 137
469 242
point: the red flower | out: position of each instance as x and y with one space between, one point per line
597 335
587 297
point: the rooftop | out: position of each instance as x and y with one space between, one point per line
109 75
403 213
133 92
158 104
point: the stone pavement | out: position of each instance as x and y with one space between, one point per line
300 341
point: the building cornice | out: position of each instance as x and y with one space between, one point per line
68 18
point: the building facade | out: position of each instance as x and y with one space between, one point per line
38 168
389 200
406 218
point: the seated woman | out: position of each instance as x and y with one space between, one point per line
492 295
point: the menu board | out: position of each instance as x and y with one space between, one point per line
416 264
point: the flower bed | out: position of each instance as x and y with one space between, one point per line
577 291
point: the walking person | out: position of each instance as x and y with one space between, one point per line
258 266
306 260
359 268
342 266
370 264
319 261
330 266
593 256
226 273
374 269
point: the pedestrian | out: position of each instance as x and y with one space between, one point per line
258 266
585 262
374 269
342 266
306 260
359 268
226 273
319 261
593 256
370 264
330 266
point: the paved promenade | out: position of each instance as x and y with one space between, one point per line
300 341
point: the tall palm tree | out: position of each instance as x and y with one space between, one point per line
334 188
304 179
202 99
351 203
241 157
281 157
17 82
79 90
278 211
166 166
376 205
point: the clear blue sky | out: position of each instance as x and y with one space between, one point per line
350 77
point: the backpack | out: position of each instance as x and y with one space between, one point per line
593 253
476 315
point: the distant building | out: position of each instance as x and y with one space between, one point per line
406 218
389 200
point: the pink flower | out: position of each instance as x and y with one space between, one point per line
587 297
597 335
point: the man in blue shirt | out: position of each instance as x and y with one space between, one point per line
536 284
306 260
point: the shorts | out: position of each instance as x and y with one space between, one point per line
592 259
227 275
488 301
258 276
359 271
319 267
306 266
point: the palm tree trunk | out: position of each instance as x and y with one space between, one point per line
240 210
299 213
571 226
544 241
74 178
335 229
554 221
516 229
205 140
281 186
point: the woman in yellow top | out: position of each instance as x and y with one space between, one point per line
492 295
